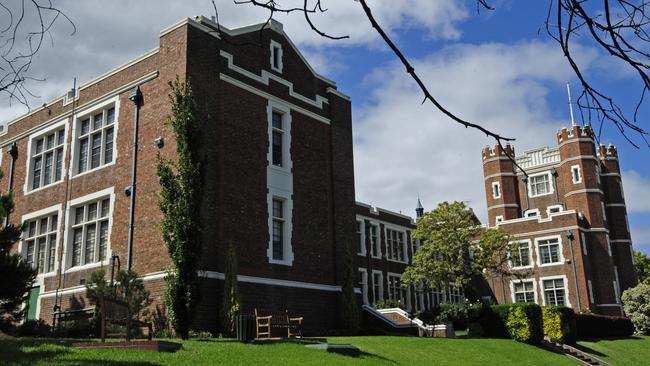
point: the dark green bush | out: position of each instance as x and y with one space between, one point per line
33 328
603 326
522 322
461 315
429 316
559 324
492 321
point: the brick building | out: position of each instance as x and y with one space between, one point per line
276 147
567 213
384 248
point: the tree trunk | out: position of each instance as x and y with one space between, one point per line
102 321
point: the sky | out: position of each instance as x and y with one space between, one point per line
497 68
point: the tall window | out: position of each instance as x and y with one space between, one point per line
363 284
575 174
519 254
277 138
278 229
455 294
540 185
96 139
549 251
360 244
554 292
524 291
496 190
276 56
40 243
47 159
377 286
396 245
90 232
395 290
374 242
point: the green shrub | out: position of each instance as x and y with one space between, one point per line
522 322
461 315
33 328
388 304
429 316
559 324
637 306
602 326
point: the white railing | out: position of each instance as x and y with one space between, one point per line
538 157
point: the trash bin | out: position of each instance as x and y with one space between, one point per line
245 328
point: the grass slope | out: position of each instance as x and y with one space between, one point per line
376 350
634 351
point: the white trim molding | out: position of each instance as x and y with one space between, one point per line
560 251
527 280
275 282
276 50
52 128
566 288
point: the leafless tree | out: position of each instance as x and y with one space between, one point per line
25 26
617 26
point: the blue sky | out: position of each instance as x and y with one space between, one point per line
498 68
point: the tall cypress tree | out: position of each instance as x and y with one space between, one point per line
180 201
231 303
16 274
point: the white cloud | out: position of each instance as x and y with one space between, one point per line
641 238
403 147
110 33
636 189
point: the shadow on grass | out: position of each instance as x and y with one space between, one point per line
596 340
589 350
17 352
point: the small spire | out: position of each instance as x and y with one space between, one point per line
419 210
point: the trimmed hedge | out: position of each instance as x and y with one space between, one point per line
603 326
559 324
521 322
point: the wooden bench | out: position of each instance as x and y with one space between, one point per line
264 324
69 315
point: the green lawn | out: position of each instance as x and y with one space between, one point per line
376 350
633 351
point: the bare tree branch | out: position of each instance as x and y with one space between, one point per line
19 46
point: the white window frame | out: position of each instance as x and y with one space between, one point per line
49 211
380 296
583 238
377 242
364 285
73 171
575 170
591 292
560 251
602 206
273 47
549 210
598 170
532 213
617 286
362 237
530 254
566 288
527 280
496 190
404 244
498 220
287 229
69 238
29 174
551 189
279 182
407 290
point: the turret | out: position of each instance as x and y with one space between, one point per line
419 210
500 181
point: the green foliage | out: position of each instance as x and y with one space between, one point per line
636 301
130 289
458 314
388 304
16 274
98 288
231 302
33 328
180 202
521 322
642 267
603 326
559 324
450 251
350 316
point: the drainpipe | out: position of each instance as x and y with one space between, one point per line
525 181
13 152
570 236
557 191
136 97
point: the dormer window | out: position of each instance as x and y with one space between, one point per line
276 56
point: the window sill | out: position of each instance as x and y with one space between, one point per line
41 188
280 170
361 254
281 262
521 267
540 195
93 170
551 264
87 266
397 261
